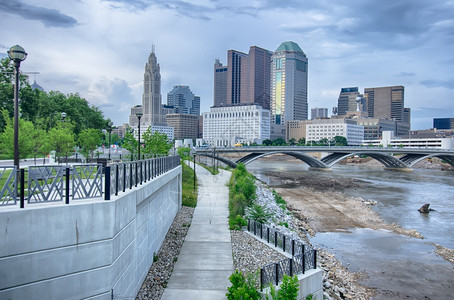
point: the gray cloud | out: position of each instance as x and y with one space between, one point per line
405 74
435 83
49 17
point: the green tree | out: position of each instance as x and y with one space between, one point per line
61 140
130 143
88 141
25 141
292 142
242 288
301 142
340 141
156 143
279 142
267 142
184 153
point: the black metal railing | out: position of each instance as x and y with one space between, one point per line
303 256
65 182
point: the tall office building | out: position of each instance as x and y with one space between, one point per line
319 112
347 101
385 102
288 84
220 83
245 79
235 62
183 100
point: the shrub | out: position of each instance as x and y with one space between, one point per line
242 287
288 289
259 214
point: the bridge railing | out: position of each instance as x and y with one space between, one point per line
75 182
303 256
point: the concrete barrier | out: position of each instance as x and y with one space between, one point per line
89 249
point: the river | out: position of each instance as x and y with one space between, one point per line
396 266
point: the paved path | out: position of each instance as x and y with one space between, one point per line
205 262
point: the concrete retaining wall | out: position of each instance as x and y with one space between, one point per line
88 249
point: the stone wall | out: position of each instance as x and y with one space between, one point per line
88 249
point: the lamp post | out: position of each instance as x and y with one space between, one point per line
63 116
17 54
139 115
109 130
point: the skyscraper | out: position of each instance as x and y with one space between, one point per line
220 84
319 112
235 61
385 102
288 84
151 98
246 78
347 101
183 100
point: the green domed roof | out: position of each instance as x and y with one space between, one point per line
289 47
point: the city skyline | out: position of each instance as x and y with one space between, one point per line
97 48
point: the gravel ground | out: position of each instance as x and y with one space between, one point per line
160 271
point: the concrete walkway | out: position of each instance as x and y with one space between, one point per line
205 262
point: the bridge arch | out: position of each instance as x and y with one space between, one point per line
308 159
227 161
413 159
385 159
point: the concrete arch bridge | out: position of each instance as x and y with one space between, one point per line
391 158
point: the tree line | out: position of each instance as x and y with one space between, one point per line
52 121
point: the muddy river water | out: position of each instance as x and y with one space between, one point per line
397 266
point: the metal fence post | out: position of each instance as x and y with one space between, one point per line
261 279
315 259
275 238
276 269
283 242
124 177
291 267
137 171
261 231
130 175
248 224
303 261
67 185
141 170
22 187
255 228
293 247
107 183
116 179
268 234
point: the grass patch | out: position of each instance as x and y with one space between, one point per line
189 194
241 195
210 169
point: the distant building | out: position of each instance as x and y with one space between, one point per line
385 102
296 129
246 78
36 86
288 84
220 84
347 100
185 125
389 140
444 123
183 100
229 125
373 127
320 129
153 112
407 116
319 112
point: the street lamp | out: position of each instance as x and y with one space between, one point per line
109 129
139 115
63 116
17 54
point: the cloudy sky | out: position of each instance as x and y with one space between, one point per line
98 48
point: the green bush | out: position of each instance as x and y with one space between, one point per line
237 223
259 214
288 289
189 195
242 288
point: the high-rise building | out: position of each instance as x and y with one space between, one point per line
186 126
183 100
220 84
319 112
246 78
288 84
385 102
444 123
407 116
235 62
347 101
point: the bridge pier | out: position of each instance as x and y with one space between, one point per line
398 169
320 169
